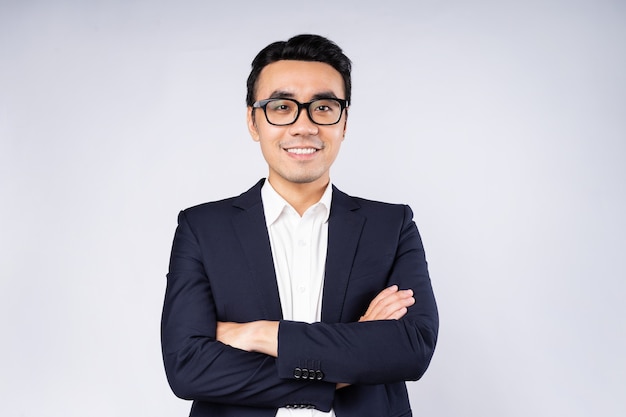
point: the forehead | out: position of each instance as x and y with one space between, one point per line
301 79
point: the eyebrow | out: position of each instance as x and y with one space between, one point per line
317 96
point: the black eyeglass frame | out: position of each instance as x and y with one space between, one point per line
262 104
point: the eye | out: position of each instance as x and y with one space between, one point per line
325 106
280 106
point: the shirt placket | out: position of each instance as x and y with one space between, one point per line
301 274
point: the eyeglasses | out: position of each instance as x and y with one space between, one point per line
285 111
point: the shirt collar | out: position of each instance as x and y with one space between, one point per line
274 204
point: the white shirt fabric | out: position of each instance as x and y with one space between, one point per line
299 246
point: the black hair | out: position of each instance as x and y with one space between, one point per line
301 48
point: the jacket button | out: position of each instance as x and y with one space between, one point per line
319 375
305 373
297 373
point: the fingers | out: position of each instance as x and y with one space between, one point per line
383 294
390 304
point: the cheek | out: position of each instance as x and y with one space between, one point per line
336 145
265 135
338 140
269 149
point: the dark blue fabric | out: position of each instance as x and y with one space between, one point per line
221 269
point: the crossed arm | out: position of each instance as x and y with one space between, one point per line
262 336
253 362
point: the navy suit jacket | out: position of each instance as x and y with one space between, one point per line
221 269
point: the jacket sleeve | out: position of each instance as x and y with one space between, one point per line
378 351
199 367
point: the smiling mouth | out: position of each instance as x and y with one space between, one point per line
301 151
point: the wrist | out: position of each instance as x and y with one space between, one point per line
265 337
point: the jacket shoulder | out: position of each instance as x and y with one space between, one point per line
384 212
210 207
227 206
365 205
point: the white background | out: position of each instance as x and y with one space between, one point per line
502 123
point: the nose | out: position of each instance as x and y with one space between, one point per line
303 125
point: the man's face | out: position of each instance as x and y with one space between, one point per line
303 151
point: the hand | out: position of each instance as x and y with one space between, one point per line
390 304
255 336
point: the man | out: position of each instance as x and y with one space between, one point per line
295 299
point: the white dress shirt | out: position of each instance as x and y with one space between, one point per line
299 247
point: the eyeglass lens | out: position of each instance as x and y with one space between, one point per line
285 111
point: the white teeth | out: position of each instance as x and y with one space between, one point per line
301 151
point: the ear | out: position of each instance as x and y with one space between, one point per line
345 124
252 127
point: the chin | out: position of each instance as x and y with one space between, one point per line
303 178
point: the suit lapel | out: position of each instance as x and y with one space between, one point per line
344 230
249 225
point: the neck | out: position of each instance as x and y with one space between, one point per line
300 196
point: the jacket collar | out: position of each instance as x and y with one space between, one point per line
250 198
344 229
345 225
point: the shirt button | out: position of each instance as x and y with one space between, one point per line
301 289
